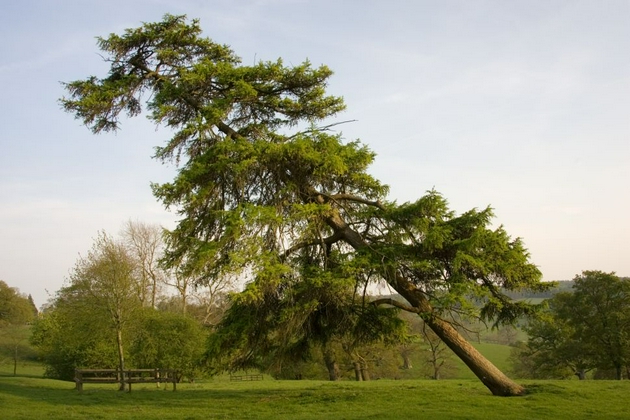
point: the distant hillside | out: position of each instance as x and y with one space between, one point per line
562 286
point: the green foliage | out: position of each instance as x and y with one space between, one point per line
15 348
284 323
458 260
586 329
265 193
168 340
73 334
14 307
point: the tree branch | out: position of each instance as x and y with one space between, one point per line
326 241
395 303
350 197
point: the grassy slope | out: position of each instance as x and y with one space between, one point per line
496 353
26 398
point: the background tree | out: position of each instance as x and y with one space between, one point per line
15 309
71 333
14 345
437 356
554 349
600 315
144 242
168 340
256 194
584 329
106 277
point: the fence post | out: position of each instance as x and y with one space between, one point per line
78 379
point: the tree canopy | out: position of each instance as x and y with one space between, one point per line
15 308
101 318
586 328
267 190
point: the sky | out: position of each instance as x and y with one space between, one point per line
523 106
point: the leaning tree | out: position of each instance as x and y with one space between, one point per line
264 191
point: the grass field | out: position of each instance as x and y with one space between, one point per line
28 398
29 369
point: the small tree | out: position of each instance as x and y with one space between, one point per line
584 329
14 342
15 309
168 340
105 276
72 333
437 355
600 315
145 244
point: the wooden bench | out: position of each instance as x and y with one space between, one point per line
131 376
246 377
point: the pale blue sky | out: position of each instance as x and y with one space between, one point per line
521 105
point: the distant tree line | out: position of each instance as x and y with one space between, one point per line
582 330
17 311
116 310
559 286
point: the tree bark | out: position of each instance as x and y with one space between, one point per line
357 371
331 362
15 359
365 371
121 359
495 380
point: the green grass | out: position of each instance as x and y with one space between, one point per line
27 398
496 353
24 368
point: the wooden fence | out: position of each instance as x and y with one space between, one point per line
129 376
246 377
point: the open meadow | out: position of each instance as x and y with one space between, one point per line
29 398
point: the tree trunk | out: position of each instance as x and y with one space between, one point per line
618 372
15 360
153 291
357 371
121 359
495 380
581 374
331 362
406 361
365 372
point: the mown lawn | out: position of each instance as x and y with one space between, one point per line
28 398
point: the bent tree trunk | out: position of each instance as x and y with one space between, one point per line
496 381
